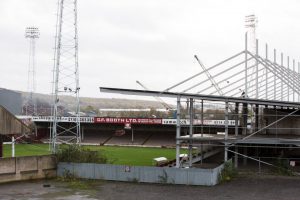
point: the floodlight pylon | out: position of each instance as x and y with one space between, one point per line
32 33
65 87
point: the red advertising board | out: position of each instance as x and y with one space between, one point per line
119 120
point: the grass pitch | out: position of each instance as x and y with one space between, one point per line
138 156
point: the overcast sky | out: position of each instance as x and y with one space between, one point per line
121 41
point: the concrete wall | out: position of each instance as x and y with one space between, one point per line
192 176
26 168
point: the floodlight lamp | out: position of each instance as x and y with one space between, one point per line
32 32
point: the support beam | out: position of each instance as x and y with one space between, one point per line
245 118
281 63
178 133
288 70
298 80
236 130
226 132
246 65
275 75
256 70
266 85
293 85
236 158
256 117
191 112
202 123
1 146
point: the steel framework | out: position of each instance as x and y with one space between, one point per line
66 75
263 85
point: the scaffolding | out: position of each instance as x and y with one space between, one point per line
262 98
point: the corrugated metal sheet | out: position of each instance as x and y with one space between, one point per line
9 124
192 176
11 100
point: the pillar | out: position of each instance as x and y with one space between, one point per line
256 117
245 118
178 133
1 147
226 132
236 130
191 112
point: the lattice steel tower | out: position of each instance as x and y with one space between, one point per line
32 33
66 76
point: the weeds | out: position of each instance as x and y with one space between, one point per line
78 154
283 168
228 173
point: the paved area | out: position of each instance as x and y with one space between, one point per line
245 188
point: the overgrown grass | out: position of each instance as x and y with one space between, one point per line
79 154
139 156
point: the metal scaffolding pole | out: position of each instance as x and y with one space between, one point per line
178 128
191 130
202 122
246 65
293 85
298 80
266 73
288 71
275 74
256 74
270 67
198 74
226 132
281 63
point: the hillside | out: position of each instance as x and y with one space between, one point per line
44 101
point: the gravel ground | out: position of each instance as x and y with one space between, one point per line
244 187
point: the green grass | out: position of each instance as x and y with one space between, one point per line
134 155
26 150
139 156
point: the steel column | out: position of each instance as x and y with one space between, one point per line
226 132
178 133
275 75
246 65
266 73
191 108
288 71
